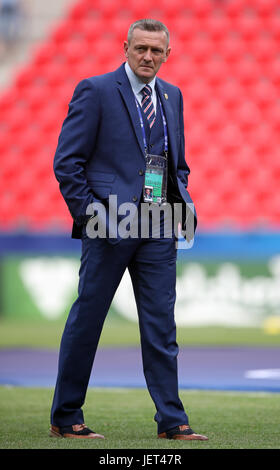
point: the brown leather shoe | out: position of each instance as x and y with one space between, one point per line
183 433
76 431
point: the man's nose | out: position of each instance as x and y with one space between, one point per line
148 56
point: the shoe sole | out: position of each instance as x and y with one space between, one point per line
72 436
182 437
55 434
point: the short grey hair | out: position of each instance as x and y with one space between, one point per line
147 25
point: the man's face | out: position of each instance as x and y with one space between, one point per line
146 52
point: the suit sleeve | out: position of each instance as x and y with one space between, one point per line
183 170
75 146
190 217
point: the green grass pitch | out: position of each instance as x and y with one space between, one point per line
125 417
47 334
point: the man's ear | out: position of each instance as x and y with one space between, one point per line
125 47
168 50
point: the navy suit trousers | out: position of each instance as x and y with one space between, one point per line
152 266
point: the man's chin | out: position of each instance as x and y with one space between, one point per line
146 74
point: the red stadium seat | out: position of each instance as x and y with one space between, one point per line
90 28
215 115
265 7
217 24
273 116
215 69
62 33
184 27
273 70
248 24
247 70
74 50
231 91
264 92
224 58
79 10
197 93
231 47
108 8
201 8
231 137
264 47
272 24
8 99
16 115
201 47
234 8
247 114
26 77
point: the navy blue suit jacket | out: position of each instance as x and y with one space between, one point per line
100 148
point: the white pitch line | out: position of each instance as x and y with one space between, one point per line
263 374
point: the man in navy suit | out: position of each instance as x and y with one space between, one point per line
115 123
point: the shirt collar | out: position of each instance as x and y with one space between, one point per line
135 82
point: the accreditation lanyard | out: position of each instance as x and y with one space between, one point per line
143 127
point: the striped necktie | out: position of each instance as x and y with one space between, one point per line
147 105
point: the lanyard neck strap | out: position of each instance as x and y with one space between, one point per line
143 127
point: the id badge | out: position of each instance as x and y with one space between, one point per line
155 185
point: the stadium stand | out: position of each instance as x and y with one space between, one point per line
226 60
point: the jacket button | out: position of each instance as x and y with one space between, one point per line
141 172
134 199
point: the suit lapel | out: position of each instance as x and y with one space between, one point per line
129 100
170 120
